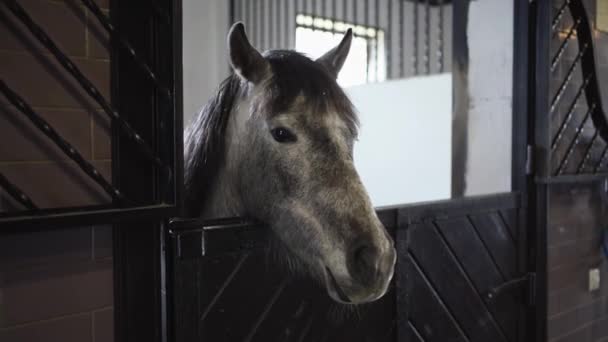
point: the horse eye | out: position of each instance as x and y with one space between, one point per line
283 135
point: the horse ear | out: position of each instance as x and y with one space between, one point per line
246 61
334 59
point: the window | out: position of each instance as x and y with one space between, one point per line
366 62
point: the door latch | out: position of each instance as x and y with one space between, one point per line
528 281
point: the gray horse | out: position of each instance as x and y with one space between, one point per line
276 144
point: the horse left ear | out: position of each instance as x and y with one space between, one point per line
334 59
246 61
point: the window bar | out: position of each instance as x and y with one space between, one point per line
355 13
271 25
247 15
344 10
575 140
559 15
415 53
564 44
427 36
366 21
59 141
16 193
255 25
563 86
105 22
389 42
287 26
263 44
564 124
587 154
377 41
401 38
603 156
323 8
440 51
93 92
280 28
334 11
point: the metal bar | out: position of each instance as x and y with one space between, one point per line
603 156
334 10
564 124
416 39
569 74
280 28
377 40
77 217
366 21
587 153
344 10
559 15
401 42
287 19
69 66
126 46
427 36
16 193
564 44
440 51
60 142
575 140
573 179
272 17
263 42
389 42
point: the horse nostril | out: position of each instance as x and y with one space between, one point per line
364 259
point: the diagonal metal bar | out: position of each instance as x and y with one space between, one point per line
575 140
105 22
564 44
559 15
16 193
70 67
587 154
599 163
60 142
564 124
569 74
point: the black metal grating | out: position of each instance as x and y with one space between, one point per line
578 120
160 151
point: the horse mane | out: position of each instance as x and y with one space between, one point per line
293 74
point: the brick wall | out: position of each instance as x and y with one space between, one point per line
577 214
56 285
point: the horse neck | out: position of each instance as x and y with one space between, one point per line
224 199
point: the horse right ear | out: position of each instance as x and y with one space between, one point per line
246 61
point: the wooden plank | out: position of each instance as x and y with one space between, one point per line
496 238
446 276
428 311
509 218
244 297
481 270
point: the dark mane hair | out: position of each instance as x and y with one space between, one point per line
293 74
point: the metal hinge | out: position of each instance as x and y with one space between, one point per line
528 281
529 159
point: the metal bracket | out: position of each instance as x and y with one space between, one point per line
528 280
529 159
